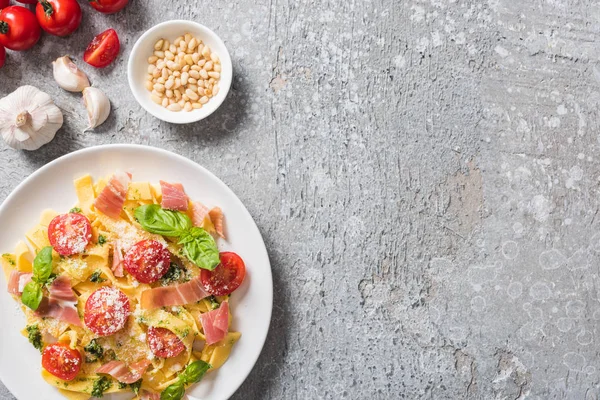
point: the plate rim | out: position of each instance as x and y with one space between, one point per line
116 146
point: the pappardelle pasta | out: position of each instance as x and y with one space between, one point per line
127 292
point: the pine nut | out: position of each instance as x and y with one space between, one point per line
194 74
187 37
159 87
203 100
171 101
192 80
161 80
156 99
214 75
169 93
217 67
149 85
214 57
173 48
158 45
196 105
157 94
159 54
165 73
192 87
215 90
188 106
176 73
189 60
185 97
156 73
208 66
201 62
181 103
170 83
179 39
151 69
160 64
201 91
192 44
184 78
181 54
169 55
177 95
191 94
166 45
203 74
211 80
152 59
206 52
165 102
174 107
208 92
196 57
177 83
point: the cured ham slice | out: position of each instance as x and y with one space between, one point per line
61 303
176 295
17 281
111 199
121 372
199 213
117 264
146 395
173 196
215 323
216 217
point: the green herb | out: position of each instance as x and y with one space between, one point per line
100 386
198 246
101 240
8 258
122 385
94 351
75 210
174 274
193 373
96 278
51 279
214 304
42 271
35 336
135 386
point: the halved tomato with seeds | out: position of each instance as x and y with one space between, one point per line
69 233
106 311
163 342
147 261
61 361
226 277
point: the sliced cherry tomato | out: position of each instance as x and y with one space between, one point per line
147 261
19 30
58 17
227 277
106 311
61 361
69 233
108 6
163 342
2 56
4 3
103 49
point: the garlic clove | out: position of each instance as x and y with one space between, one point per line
97 105
68 76
28 118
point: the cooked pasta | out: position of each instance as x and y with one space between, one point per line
124 293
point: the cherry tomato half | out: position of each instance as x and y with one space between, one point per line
108 6
61 361
19 30
4 3
106 311
69 233
2 56
58 17
147 261
163 342
103 49
227 277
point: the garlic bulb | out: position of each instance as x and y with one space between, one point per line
97 104
28 118
68 76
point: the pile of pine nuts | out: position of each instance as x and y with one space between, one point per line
183 75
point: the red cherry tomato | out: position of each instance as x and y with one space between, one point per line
108 6
58 17
69 233
103 49
2 56
227 277
4 3
106 311
163 342
61 361
19 30
147 261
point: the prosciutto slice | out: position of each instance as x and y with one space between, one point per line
199 213
176 295
146 395
215 323
17 281
111 199
173 196
121 372
60 304
216 217
117 264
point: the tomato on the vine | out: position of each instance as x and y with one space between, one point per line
103 49
108 6
19 30
58 17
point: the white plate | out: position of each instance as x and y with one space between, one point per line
52 187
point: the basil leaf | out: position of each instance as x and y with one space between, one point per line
200 247
154 219
42 265
173 392
32 295
195 371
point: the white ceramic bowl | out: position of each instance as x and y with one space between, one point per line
137 69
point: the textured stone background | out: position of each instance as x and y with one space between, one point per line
424 174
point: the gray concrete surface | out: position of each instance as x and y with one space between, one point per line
425 175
